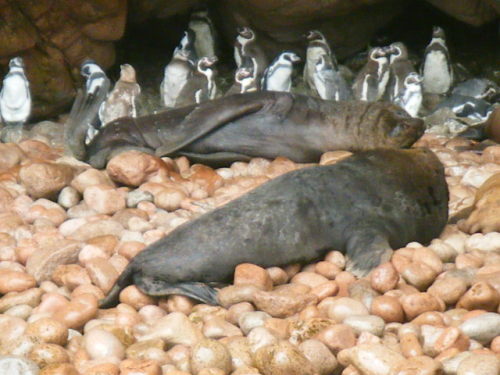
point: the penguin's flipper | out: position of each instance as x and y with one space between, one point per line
196 290
205 118
216 159
475 133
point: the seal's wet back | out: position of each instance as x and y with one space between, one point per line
260 124
364 206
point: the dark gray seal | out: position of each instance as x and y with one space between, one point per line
364 206
258 124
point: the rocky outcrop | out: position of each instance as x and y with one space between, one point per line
54 37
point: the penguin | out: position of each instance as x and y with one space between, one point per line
15 97
88 101
201 86
410 98
177 72
97 87
245 78
204 33
436 67
328 82
371 81
399 68
479 88
121 100
278 76
467 106
246 45
317 46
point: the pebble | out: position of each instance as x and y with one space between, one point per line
17 366
282 359
68 197
251 319
90 177
247 273
482 328
420 365
49 331
174 328
210 354
284 300
45 180
44 354
388 308
372 359
323 361
139 367
260 337
101 344
343 307
137 196
337 337
366 323
104 199
479 364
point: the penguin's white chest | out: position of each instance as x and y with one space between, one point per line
280 80
14 92
437 76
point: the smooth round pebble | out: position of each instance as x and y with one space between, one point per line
101 344
365 323
210 354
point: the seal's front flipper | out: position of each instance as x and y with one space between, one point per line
205 118
366 251
159 288
475 133
216 159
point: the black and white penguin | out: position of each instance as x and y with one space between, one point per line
328 82
410 99
15 97
317 46
121 100
479 88
97 87
278 76
467 106
245 78
205 36
177 73
371 81
399 68
436 67
246 45
201 86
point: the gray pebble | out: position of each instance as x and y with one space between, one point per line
17 366
482 328
136 196
68 197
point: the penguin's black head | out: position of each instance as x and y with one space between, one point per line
86 67
413 79
246 32
438 32
398 50
377 53
290 56
314 35
16 62
207 62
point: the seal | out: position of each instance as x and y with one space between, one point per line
364 206
259 124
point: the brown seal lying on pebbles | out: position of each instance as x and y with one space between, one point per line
365 205
258 124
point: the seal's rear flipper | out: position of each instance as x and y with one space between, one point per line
366 251
159 288
205 118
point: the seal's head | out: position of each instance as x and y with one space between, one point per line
401 129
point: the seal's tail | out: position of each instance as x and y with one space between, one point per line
124 280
